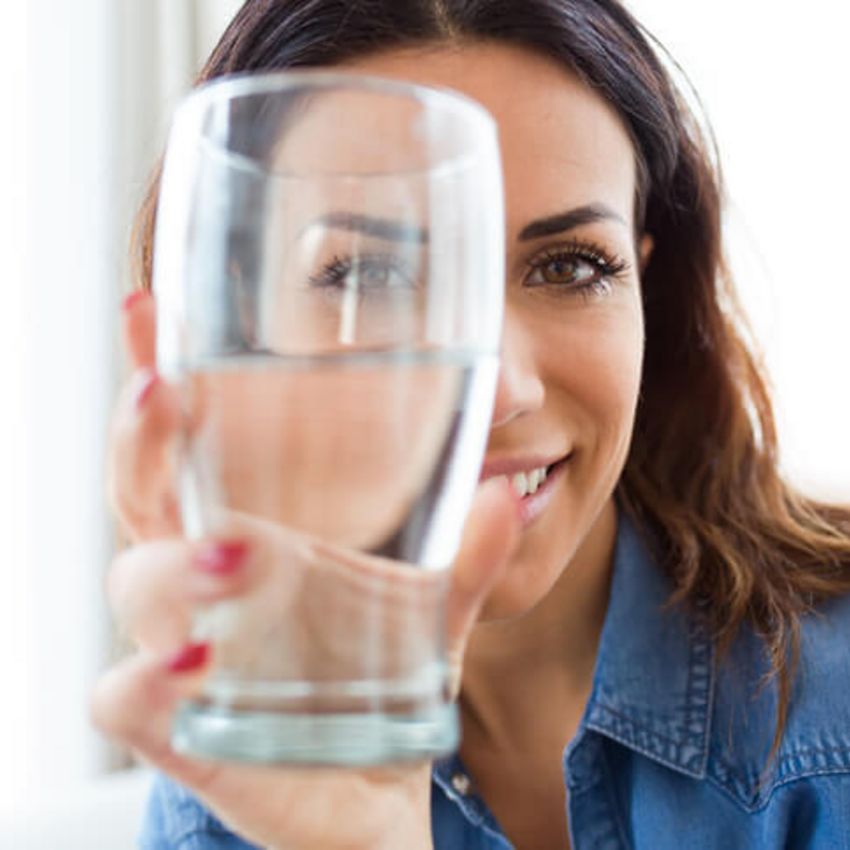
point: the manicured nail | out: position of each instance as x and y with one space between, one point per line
147 380
222 559
134 298
193 656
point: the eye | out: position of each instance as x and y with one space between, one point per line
364 273
565 269
577 267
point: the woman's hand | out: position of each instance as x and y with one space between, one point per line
154 587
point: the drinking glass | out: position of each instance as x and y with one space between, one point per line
328 275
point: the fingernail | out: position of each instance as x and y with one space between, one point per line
147 380
222 559
134 298
193 656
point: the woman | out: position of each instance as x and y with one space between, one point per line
642 661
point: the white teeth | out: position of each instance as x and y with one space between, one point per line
525 483
520 484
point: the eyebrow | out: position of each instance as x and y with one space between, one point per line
380 228
562 222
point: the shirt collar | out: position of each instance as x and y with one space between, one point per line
653 685
654 678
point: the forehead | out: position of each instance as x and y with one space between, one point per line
562 144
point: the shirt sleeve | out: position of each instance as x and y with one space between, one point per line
176 820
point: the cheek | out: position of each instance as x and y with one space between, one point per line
590 361
595 372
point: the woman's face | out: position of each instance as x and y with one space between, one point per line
573 338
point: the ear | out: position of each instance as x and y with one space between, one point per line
645 246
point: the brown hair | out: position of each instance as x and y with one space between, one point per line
739 543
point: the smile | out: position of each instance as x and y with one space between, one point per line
533 484
525 483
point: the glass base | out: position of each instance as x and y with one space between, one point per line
343 740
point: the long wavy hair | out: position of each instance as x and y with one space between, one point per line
739 543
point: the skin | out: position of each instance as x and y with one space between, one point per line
568 387
570 381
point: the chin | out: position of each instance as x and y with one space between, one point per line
546 553
525 584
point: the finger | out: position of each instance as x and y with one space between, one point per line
155 587
145 431
139 328
135 701
490 537
135 704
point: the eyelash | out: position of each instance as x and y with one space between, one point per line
333 274
609 267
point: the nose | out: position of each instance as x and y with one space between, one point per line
519 389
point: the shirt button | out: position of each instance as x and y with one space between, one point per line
461 783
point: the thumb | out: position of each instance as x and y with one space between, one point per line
490 537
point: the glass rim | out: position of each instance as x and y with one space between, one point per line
233 87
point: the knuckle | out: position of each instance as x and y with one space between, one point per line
104 714
140 486
147 591
116 583
121 701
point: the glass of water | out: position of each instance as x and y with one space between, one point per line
328 275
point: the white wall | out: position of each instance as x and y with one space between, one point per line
89 86
774 76
66 352
13 481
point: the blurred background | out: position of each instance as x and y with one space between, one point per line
89 86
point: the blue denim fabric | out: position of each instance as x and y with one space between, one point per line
672 746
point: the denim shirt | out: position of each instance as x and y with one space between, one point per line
671 747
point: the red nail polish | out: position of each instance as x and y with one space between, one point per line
148 379
221 559
134 298
193 656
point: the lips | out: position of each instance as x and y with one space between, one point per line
527 475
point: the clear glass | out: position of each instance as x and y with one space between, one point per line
329 284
